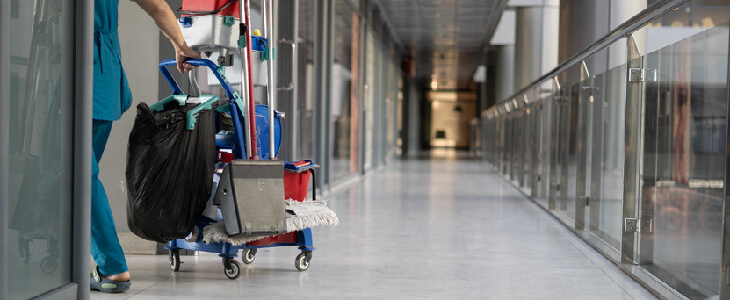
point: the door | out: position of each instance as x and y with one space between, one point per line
37 153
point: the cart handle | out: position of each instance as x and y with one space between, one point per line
235 103
230 92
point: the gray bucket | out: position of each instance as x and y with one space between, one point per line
251 197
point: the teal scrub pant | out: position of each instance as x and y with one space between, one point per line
105 247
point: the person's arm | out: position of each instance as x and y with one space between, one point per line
165 19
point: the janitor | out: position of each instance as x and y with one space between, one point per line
112 97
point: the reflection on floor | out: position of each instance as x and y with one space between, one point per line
441 229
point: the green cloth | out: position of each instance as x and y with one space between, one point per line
112 95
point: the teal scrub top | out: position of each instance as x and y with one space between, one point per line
112 95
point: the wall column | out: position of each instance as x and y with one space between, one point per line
536 43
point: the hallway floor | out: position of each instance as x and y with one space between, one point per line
439 229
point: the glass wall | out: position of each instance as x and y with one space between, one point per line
362 84
391 100
343 127
627 147
305 79
609 146
368 111
40 142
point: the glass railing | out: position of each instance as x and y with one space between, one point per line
626 144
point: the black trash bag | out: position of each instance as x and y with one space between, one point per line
169 171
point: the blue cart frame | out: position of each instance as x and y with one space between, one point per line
228 252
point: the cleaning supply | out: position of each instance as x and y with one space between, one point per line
239 218
300 215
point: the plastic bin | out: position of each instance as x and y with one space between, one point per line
206 33
296 185
212 5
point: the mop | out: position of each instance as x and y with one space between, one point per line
299 215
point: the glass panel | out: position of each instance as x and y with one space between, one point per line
508 142
520 142
545 143
399 113
685 128
569 110
355 3
519 153
377 88
612 178
551 134
368 106
592 99
392 101
305 82
41 101
344 74
709 17
582 146
678 17
514 140
613 95
527 137
697 13
534 143
502 155
571 161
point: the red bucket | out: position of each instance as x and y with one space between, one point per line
212 5
296 185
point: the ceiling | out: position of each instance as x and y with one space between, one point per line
444 36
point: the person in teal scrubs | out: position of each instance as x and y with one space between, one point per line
112 97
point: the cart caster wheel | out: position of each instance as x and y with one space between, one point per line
24 253
175 260
302 261
232 268
248 256
49 264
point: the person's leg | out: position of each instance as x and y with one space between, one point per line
105 247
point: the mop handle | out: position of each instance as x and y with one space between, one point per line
270 91
251 100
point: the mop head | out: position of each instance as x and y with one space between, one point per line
299 215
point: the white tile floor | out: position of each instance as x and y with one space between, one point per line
418 229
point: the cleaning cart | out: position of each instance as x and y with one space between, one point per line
256 201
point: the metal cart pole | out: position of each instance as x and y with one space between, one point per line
270 86
244 82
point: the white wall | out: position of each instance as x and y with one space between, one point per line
139 39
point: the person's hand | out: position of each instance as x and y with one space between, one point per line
181 54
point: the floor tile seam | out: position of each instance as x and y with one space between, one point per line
582 247
149 287
604 272
564 232
570 236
